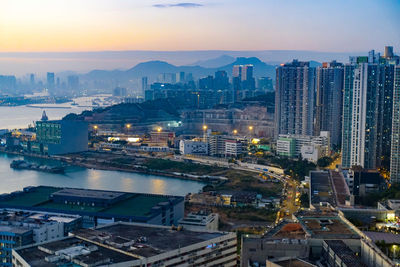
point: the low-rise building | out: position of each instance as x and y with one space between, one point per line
19 228
225 145
337 254
234 148
200 221
309 147
99 206
127 244
60 137
193 147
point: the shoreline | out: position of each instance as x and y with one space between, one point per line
114 168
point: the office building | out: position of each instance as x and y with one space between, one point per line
221 80
98 206
136 245
388 52
50 80
206 83
8 84
180 77
193 147
235 148
200 221
145 84
395 142
32 79
291 145
73 82
226 146
20 228
248 81
119 92
242 80
347 113
294 98
329 98
60 137
236 82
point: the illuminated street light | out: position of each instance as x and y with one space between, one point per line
251 128
205 127
128 126
235 131
159 129
95 127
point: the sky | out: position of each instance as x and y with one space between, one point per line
169 25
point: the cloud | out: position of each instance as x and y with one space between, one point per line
184 5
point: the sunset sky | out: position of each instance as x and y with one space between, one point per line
97 25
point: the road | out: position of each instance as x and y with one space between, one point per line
290 200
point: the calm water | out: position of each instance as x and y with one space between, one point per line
12 180
22 116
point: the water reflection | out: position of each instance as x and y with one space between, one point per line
12 180
158 186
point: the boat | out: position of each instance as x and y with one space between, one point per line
24 165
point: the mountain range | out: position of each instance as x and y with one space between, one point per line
152 69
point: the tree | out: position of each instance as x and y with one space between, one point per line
324 162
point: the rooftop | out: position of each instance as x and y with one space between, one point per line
344 253
123 204
80 250
389 238
341 189
293 262
325 224
20 221
321 188
85 193
144 240
290 230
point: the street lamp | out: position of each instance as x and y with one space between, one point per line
394 247
204 133
95 127
128 126
159 129
235 131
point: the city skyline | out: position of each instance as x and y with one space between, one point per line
170 25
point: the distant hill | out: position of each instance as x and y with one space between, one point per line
156 110
214 62
152 69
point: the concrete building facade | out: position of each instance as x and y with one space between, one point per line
395 142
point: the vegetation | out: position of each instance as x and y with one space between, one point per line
372 198
304 200
247 181
324 162
268 99
249 213
298 169
184 167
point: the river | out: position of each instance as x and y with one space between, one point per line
13 180
22 116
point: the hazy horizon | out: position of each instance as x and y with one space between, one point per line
21 63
